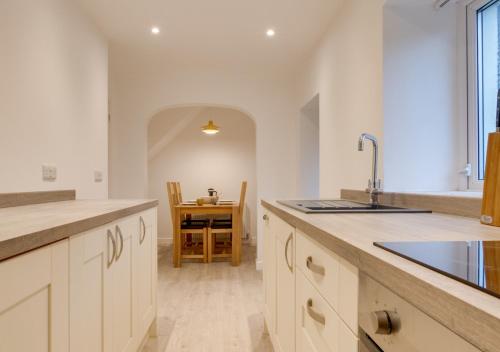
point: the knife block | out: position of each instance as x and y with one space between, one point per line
490 211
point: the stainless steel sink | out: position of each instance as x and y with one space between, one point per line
344 206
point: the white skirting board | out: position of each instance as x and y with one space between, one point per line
165 241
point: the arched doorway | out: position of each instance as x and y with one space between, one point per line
179 151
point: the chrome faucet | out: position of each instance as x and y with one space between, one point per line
374 184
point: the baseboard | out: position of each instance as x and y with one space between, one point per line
259 265
165 241
150 332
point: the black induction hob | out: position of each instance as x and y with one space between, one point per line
475 263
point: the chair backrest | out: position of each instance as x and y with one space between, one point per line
242 196
172 199
178 192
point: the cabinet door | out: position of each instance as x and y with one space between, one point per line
285 294
269 274
145 271
91 255
34 301
122 291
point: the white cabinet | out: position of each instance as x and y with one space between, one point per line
315 300
302 278
285 294
269 275
91 259
95 292
145 275
279 288
113 285
122 290
34 300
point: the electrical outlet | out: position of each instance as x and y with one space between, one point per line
97 176
49 173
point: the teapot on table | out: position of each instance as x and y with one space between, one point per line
212 192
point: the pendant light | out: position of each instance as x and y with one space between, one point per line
210 128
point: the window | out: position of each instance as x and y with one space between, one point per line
483 23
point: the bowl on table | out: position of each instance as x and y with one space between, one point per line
207 200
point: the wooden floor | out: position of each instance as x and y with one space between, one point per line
209 307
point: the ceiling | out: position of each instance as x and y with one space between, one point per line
223 31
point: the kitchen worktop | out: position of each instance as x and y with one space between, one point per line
470 313
23 228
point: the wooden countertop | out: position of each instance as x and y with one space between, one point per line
470 313
24 228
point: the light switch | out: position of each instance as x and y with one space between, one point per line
97 176
49 172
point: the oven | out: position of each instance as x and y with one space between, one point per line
366 344
388 323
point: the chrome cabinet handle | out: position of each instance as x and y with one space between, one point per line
290 267
315 268
113 242
318 317
142 236
265 217
119 233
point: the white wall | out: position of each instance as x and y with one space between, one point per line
421 106
53 97
346 71
199 161
141 87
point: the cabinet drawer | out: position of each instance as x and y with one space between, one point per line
319 328
336 279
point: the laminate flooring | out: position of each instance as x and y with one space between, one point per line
209 307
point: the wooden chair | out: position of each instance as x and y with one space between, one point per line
178 192
188 227
188 239
225 226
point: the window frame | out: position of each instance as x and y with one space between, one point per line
473 182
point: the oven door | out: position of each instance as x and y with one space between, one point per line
366 344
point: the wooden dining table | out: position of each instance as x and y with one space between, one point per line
221 208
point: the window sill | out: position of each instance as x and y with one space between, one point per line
467 194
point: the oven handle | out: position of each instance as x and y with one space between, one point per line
366 343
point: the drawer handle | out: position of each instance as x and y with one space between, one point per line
265 217
290 267
318 317
142 236
315 268
113 243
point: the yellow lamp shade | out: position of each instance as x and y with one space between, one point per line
210 128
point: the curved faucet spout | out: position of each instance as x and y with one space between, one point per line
363 138
374 184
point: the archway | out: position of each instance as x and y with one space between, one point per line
179 151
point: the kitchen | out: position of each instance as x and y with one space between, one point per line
81 82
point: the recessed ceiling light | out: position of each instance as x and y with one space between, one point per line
155 30
270 32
